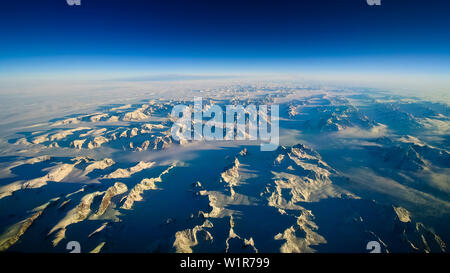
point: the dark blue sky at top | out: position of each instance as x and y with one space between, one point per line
317 32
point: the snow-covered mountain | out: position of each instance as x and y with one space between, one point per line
351 168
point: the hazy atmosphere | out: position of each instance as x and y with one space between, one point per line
354 99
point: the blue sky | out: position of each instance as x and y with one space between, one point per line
181 36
